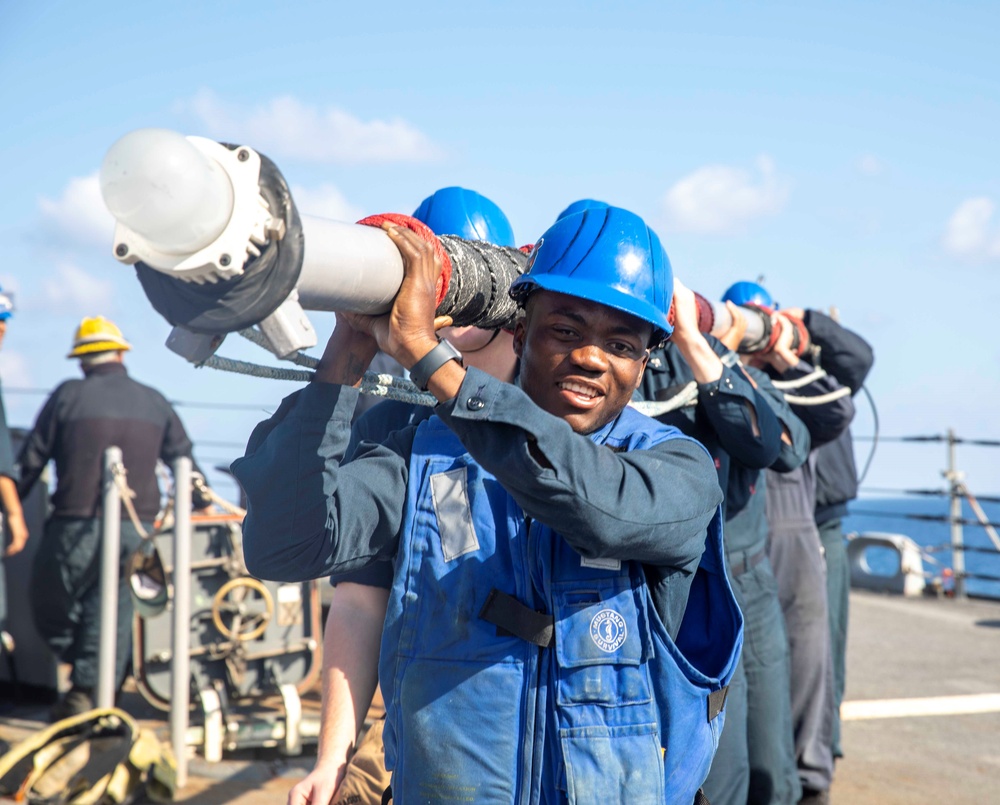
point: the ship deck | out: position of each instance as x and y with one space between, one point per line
921 715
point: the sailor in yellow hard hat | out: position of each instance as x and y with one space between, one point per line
96 335
79 421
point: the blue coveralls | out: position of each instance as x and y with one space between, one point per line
755 762
308 515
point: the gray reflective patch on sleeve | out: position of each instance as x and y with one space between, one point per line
731 359
454 515
601 564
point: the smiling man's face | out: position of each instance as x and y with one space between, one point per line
580 360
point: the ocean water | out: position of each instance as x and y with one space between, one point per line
890 515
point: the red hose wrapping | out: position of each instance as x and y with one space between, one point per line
706 314
425 233
800 326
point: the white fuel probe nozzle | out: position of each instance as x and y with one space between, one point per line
186 206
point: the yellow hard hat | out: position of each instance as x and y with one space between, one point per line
97 334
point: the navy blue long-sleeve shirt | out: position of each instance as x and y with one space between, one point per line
81 420
746 521
849 358
723 417
310 515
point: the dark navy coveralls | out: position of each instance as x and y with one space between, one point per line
78 422
796 555
849 358
755 761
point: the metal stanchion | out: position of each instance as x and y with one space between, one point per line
111 522
954 478
181 679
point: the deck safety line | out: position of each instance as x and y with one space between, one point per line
931 706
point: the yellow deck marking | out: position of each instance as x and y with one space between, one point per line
909 708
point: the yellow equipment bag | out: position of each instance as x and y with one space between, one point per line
100 757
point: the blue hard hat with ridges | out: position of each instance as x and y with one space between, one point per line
606 255
581 205
748 293
466 214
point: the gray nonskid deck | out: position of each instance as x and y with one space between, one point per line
911 649
899 649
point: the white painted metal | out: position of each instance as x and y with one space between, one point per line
111 522
180 699
909 578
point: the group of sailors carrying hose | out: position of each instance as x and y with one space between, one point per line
551 588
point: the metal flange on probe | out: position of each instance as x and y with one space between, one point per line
214 236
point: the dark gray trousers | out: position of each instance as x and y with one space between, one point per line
66 595
770 737
801 575
838 587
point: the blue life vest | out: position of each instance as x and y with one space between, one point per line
614 711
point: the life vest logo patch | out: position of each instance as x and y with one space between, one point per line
608 630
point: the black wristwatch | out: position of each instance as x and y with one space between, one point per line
421 371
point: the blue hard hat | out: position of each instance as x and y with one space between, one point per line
467 214
748 293
6 305
606 255
581 205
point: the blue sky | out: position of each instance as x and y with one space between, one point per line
847 151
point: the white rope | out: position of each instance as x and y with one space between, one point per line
119 472
799 382
688 396
221 502
685 397
819 399
258 338
256 370
398 388
379 385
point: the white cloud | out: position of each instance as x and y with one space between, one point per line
70 289
14 369
79 215
719 199
870 165
325 201
286 127
971 233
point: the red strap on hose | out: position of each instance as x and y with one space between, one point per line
777 325
425 233
706 313
800 325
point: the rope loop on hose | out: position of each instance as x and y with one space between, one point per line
799 382
819 399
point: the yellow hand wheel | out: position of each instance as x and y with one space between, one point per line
248 618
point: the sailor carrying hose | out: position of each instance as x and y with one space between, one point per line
556 554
